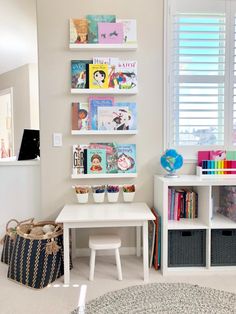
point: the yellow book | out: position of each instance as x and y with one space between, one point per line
98 76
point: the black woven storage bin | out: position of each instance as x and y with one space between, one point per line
186 248
223 247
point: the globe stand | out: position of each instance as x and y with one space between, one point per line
171 175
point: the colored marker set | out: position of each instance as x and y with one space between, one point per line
218 167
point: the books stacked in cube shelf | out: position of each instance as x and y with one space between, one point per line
103 30
216 163
182 203
102 115
104 74
104 160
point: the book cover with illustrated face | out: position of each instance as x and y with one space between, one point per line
111 155
93 21
123 75
79 77
126 158
113 118
78 31
110 33
96 160
98 76
129 118
80 116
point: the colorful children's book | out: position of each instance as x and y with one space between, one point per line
94 103
217 155
79 72
96 160
113 118
129 119
93 21
126 158
78 31
80 113
98 76
151 240
123 75
79 159
110 33
130 30
111 155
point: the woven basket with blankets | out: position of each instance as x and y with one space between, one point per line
34 252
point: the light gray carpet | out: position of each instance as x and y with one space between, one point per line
171 298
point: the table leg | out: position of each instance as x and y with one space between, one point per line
145 251
138 241
66 242
73 244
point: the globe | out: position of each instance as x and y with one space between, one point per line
171 161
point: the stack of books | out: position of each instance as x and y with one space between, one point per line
182 203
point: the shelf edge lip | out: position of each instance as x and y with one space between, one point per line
131 46
104 91
104 175
98 132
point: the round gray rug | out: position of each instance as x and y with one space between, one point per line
171 298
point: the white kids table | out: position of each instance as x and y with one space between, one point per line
104 216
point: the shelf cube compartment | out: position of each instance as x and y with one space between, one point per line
223 247
186 248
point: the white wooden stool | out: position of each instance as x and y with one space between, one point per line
104 242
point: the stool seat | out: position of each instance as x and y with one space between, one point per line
104 242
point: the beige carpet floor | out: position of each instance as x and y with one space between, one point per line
17 299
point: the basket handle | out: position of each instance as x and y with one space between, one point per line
30 221
10 221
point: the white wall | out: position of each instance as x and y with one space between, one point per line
24 81
55 97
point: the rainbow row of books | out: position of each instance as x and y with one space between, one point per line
97 158
182 203
102 29
104 73
102 113
216 162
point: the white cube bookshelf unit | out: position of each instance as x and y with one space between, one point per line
208 221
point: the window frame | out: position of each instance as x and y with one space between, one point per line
9 91
190 152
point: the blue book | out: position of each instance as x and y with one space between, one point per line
79 73
94 103
126 158
130 118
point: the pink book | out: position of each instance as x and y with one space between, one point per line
169 202
110 33
176 208
202 155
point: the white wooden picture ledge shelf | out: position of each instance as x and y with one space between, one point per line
126 47
110 91
104 175
101 132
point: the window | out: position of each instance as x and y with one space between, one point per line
200 92
6 125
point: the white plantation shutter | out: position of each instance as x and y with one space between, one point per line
198 79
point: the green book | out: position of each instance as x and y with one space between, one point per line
230 155
93 21
96 161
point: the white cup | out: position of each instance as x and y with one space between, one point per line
128 196
98 197
82 198
112 197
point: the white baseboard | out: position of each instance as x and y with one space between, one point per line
123 251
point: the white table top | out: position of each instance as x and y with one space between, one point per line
105 212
